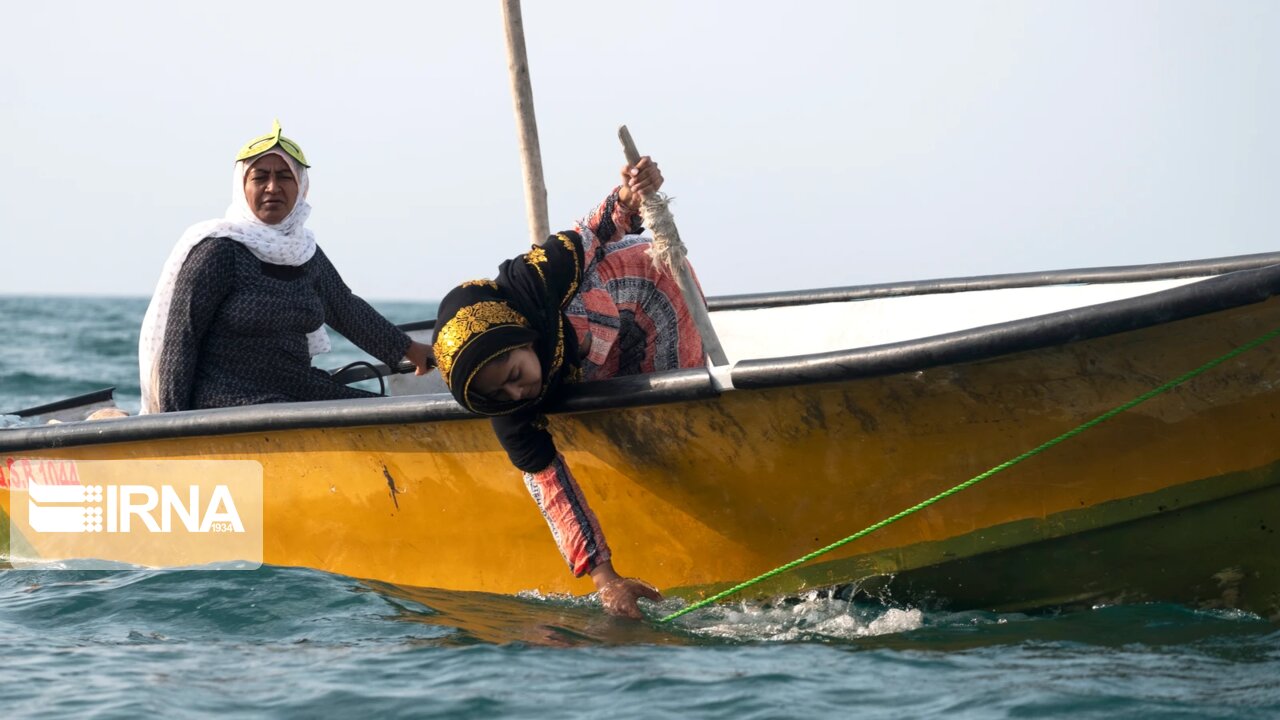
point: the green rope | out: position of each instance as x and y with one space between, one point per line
975 480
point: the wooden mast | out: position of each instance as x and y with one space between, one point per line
535 189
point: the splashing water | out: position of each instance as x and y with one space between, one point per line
815 616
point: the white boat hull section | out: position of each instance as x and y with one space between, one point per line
806 329
826 327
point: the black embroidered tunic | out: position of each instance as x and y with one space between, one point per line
596 282
237 330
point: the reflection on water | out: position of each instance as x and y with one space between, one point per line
553 621
562 621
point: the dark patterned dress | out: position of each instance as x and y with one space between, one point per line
595 288
237 330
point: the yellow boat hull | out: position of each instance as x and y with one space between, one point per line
700 493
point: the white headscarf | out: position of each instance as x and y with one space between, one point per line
288 242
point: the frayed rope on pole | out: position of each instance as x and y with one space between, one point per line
667 250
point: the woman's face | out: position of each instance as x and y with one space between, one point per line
511 377
271 189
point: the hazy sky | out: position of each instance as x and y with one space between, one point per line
807 144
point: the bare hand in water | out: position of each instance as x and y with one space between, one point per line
620 595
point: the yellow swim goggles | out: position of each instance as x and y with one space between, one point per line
259 145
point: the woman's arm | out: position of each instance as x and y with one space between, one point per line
619 215
563 260
356 319
205 280
577 533
572 523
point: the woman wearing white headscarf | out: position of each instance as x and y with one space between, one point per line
242 301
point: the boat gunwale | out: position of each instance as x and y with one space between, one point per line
1214 294
1005 281
631 391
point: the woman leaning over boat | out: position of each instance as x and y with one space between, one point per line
588 304
242 301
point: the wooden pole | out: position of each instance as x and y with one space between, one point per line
535 189
692 297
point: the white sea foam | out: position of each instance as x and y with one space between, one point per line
815 616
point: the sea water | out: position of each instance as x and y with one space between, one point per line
291 642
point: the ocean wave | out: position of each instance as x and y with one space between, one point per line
298 642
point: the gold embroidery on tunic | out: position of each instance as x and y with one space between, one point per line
577 270
536 257
564 240
557 358
469 322
482 282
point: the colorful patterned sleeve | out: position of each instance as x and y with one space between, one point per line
609 222
575 528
